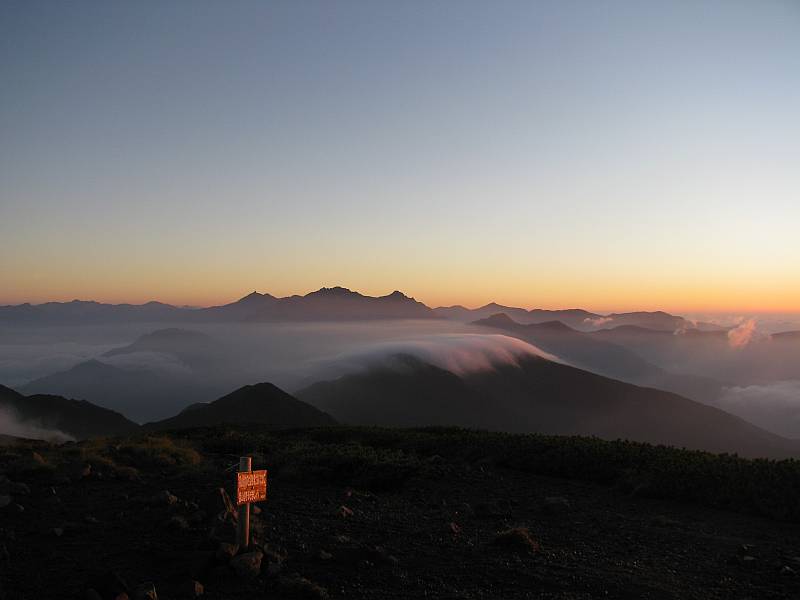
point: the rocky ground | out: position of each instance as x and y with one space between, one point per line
462 530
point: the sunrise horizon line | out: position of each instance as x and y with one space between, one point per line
742 312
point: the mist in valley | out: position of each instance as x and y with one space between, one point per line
151 371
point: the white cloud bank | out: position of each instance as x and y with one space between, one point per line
457 353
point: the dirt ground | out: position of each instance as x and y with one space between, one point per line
432 538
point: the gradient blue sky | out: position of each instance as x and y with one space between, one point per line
611 155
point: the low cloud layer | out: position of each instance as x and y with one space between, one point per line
10 424
774 406
157 362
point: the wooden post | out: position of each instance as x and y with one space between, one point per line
243 531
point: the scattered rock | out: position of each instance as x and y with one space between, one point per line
748 561
145 591
178 523
110 585
274 562
465 510
226 551
247 564
164 498
787 570
60 478
17 488
91 520
662 521
223 529
324 555
746 549
365 555
495 508
197 517
379 555
555 505
518 539
344 511
30 462
301 588
192 589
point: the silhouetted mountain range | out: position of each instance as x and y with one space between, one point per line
537 395
327 304
76 418
261 403
755 359
531 394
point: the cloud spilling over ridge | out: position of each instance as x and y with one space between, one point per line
457 353
10 424
743 334
774 406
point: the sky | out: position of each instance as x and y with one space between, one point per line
611 155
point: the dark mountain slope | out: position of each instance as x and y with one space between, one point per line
261 403
404 392
538 396
77 418
87 311
589 352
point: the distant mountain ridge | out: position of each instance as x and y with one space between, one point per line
261 403
77 418
325 304
329 304
578 319
591 352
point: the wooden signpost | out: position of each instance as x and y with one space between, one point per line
251 486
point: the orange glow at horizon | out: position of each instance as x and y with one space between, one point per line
613 296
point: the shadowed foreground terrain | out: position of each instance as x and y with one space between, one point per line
381 513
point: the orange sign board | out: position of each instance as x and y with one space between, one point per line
251 486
